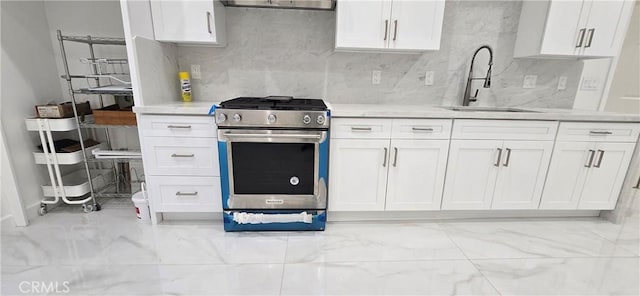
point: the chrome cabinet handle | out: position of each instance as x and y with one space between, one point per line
582 31
182 155
499 157
209 22
506 162
395 30
186 193
384 162
179 126
600 133
599 161
386 29
590 38
592 153
360 129
637 184
422 129
395 156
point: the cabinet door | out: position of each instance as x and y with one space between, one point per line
416 25
184 21
471 174
602 26
358 174
567 174
416 174
562 34
522 174
363 24
606 176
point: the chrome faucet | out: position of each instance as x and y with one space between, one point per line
487 79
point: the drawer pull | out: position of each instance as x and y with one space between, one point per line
360 129
179 126
499 157
422 129
395 156
600 156
600 133
182 155
592 153
186 193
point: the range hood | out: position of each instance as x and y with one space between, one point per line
286 4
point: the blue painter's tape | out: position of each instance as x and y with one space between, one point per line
224 173
317 223
213 109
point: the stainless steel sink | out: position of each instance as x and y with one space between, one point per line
487 109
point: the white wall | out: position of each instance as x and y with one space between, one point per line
29 77
624 95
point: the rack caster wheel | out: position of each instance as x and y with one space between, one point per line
98 207
43 210
87 208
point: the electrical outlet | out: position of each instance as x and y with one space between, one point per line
376 77
195 72
562 83
530 81
428 77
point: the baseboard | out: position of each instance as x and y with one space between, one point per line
411 215
454 215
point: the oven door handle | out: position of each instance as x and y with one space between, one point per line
288 136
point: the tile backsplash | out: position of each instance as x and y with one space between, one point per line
291 52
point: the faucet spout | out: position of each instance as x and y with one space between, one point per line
468 98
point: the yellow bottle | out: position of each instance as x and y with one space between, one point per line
185 86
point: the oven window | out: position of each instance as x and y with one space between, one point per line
273 168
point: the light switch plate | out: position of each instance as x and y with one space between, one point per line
195 72
376 77
590 83
428 78
562 83
530 81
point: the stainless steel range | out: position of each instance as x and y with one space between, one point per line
274 155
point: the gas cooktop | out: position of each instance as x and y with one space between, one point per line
274 103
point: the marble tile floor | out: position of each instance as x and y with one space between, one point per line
109 253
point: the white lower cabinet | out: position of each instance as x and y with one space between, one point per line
471 174
358 174
586 175
496 174
522 174
416 174
378 165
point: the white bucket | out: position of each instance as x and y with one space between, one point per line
141 203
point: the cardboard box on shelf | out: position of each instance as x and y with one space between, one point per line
64 110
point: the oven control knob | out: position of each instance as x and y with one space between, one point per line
237 117
221 117
320 119
306 119
271 118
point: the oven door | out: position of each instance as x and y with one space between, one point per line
273 169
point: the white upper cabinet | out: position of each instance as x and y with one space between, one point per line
563 28
192 21
389 25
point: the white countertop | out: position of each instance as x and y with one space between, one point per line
412 111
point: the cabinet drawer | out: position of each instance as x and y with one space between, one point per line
421 129
598 131
360 128
185 194
181 156
177 126
504 129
